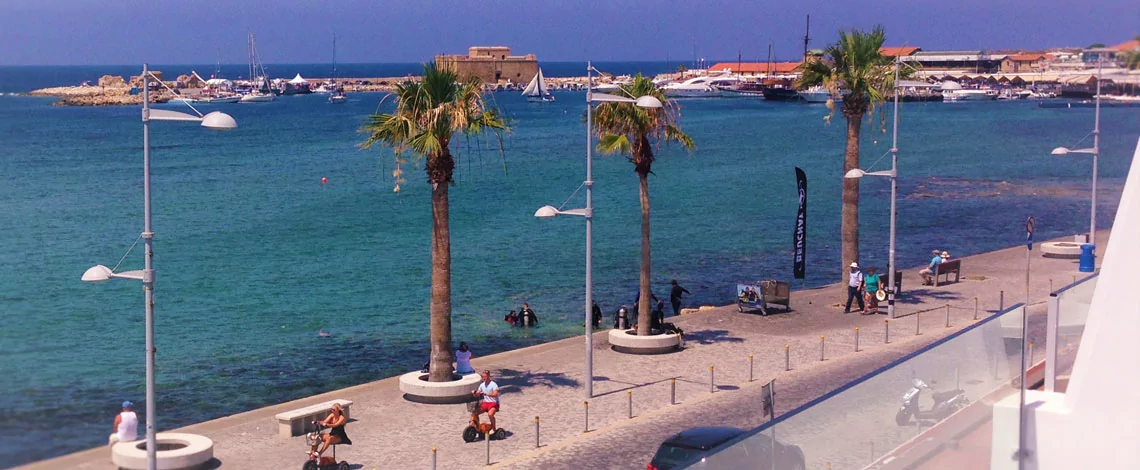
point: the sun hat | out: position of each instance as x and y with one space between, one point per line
127 404
945 254
881 295
854 264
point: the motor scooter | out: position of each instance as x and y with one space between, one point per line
945 404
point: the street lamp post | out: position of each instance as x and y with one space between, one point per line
588 211
1095 151
893 175
214 120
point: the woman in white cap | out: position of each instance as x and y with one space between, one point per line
854 287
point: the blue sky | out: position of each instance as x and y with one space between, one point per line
80 32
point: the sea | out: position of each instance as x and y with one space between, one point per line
269 234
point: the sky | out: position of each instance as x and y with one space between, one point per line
94 32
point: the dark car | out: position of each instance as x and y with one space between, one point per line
693 445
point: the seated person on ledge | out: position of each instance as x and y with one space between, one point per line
335 421
489 391
928 272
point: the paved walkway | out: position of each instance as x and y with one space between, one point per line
545 381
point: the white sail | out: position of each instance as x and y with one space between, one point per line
536 87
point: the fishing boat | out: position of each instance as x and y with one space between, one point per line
536 91
261 90
781 93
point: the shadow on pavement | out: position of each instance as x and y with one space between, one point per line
512 381
711 336
917 296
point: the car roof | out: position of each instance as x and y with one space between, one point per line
703 437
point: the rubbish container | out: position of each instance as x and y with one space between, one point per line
1088 258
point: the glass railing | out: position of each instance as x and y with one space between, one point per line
1072 305
901 415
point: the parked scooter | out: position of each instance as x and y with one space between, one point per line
945 404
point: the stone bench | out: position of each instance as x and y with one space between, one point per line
175 451
299 421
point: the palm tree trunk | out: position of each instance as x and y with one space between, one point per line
440 369
850 225
644 305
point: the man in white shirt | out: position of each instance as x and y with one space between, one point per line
126 425
854 287
489 390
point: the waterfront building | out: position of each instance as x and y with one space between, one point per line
759 69
900 51
974 61
1017 63
491 63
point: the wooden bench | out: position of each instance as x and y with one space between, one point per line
947 267
299 421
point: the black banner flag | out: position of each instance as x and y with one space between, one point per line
799 246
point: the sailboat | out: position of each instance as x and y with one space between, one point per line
259 80
337 95
536 90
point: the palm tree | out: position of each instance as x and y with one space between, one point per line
632 130
428 113
856 66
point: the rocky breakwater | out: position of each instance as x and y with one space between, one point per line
111 91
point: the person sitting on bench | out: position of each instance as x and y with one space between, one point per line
928 273
335 421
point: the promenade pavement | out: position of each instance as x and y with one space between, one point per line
546 381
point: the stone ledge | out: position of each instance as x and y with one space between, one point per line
417 389
624 342
193 451
1067 250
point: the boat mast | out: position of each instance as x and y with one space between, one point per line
807 37
250 76
769 59
334 56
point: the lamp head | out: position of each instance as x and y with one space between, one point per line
1060 151
218 120
98 273
855 173
648 101
546 212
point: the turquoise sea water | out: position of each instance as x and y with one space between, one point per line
255 255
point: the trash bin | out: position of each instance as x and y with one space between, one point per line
1088 258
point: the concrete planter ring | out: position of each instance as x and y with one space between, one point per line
176 451
1067 250
417 389
627 341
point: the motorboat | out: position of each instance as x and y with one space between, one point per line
953 92
536 91
819 94
219 99
700 87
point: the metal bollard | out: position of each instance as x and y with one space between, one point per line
886 331
487 440
975 309
1001 301
856 339
1030 352
712 382
872 451
918 323
536 434
947 315
673 392
1074 279
787 357
1050 286
629 396
749 367
433 458
821 349
587 425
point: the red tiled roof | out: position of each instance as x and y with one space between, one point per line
756 67
1026 57
1127 46
901 51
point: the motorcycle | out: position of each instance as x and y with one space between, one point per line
945 404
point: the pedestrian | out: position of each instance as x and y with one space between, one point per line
872 283
463 359
527 316
126 425
854 287
675 293
595 315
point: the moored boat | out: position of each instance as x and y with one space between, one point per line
536 91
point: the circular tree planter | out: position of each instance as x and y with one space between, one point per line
176 451
1068 250
627 341
416 388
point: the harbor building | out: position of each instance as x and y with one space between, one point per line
1021 63
491 63
759 69
975 61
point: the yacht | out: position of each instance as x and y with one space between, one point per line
700 87
819 94
952 91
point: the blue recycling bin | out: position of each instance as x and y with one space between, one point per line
1088 258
